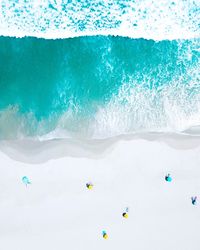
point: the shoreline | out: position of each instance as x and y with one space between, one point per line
36 152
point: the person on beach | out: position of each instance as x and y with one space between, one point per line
105 236
125 214
26 180
194 200
89 185
168 178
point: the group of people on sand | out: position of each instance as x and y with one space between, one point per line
168 178
89 185
124 214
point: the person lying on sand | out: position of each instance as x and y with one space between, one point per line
168 178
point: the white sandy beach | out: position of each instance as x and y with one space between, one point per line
57 211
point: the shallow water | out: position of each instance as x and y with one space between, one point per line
97 86
87 85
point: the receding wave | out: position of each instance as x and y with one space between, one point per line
158 20
97 87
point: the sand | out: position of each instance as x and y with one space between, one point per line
57 211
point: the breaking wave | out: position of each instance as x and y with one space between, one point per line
97 87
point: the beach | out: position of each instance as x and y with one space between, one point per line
57 211
99 125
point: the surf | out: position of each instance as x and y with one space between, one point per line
52 19
97 87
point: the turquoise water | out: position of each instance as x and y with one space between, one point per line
97 86
96 69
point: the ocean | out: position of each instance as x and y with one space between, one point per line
92 75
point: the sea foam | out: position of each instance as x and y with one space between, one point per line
149 19
98 86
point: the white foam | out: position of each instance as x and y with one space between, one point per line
137 109
150 19
133 110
